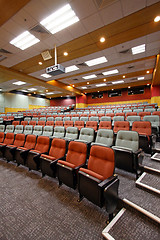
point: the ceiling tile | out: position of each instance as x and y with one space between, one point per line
77 30
150 2
92 22
129 7
83 8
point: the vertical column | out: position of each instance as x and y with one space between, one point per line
155 94
81 101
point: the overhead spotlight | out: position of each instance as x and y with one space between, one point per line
104 79
65 53
73 85
157 19
87 82
147 72
148 84
124 76
129 87
40 63
102 39
46 90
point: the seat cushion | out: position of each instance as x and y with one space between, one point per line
22 148
2 144
48 157
91 173
67 164
35 151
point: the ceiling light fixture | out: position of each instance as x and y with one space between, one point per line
24 40
124 76
84 87
138 49
101 85
129 87
45 75
157 19
147 72
87 82
46 90
140 78
19 83
32 89
65 53
96 61
24 91
90 76
148 84
102 39
40 63
60 19
71 68
104 80
114 71
117 82
73 85
49 93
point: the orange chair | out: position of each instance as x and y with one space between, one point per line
130 114
1 137
98 175
50 123
67 170
105 125
145 134
110 115
91 124
10 149
41 123
120 114
79 124
15 123
48 162
22 152
42 146
142 114
58 123
24 123
156 113
9 138
33 123
120 125
68 124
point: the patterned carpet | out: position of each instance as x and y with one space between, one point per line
35 208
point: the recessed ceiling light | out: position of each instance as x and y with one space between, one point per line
61 96
60 19
49 93
148 84
101 85
19 83
84 87
124 76
24 91
96 61
157 19
114 71
98 91
117 82
45 75
87 82
29 94
147 72
104 80
65 53
90 76
24 40
71 68
73 85
46 90
140 78
112 89
0 89
102 39
40 63
34 92
32 89
129 87
138 49
42 94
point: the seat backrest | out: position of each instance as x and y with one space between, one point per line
105 125
33 123
142 114
66 119
28 129
120 114
127 139
138 110
105 118
37 130
2 128
30 142
84 119
48 131
75 119
105 136
9 128
102 161
1 137
94 118
154 119
68 124
50 123
142 127
87 134
58 148
15 123
42 119
19 140
41 123
72 132
79 124
131 114
59 131
18 129
118 118
42 144
58 119
121 125
91 124
77 153
28 119
35 119
58 123
151 110
50 119
9 138
132 119
24 123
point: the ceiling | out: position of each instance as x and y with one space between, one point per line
123 23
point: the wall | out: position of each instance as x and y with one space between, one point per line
62 101
10 102
125 98
155 94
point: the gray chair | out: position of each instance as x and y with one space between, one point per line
86 135
138 110
128 155
58 119
28 119
42 119
59 132
132 119
117 111
1 120
28 129
37 130
105 118
66 119
18 129
104 137
50 119
127 110
35 119
149 110
9 129
94 118
2 128
74 119
71 133
117 118
84 119
47 131
154 120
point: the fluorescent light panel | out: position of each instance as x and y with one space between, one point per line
84 87
114 71
140 78
71 68
96 61
24 91
61 19
101 85
45 75
49 93
24 40
32 89
19 83
90 76
116 82
138 49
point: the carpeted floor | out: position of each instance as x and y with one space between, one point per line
35 208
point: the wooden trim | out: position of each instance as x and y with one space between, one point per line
156 73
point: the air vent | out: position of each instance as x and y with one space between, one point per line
75 79
134 79
46 55
4 51
2 58
104 3
88 86
99 74
126 51
39 29
130 67
82 64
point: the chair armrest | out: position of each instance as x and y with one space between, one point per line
107 181
82 165
122 149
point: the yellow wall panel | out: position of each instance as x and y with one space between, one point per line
14 109
156 100
81 105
